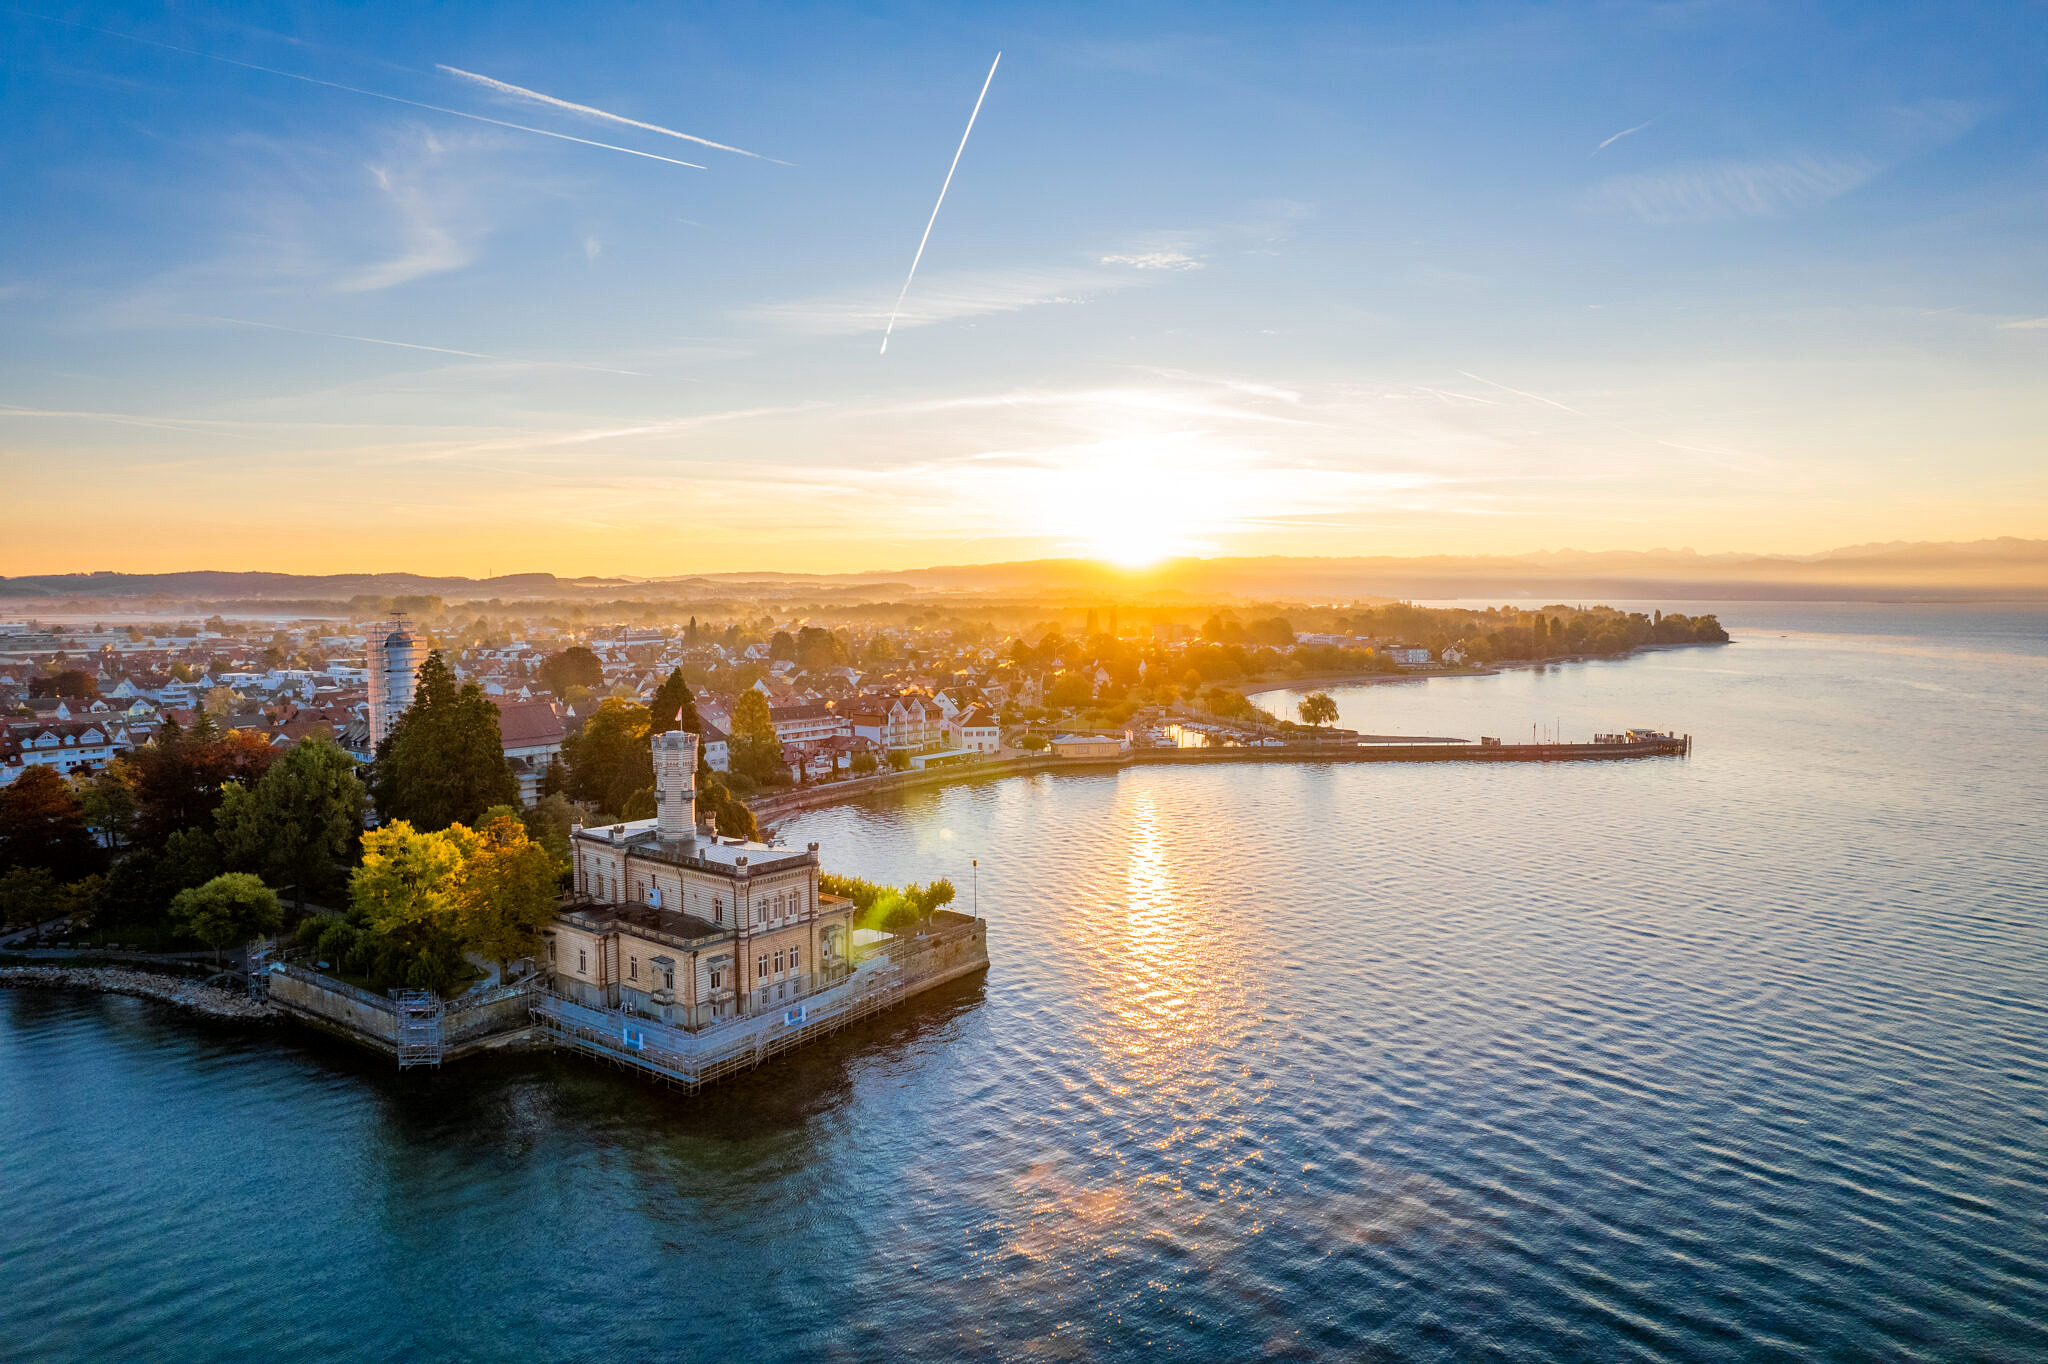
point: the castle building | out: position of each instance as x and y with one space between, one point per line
393 668
679 924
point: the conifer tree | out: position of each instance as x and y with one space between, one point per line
444 761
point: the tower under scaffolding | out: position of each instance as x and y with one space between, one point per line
393 664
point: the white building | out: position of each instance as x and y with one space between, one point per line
394 666
976 731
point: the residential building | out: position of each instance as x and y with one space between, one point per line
976 731
532 733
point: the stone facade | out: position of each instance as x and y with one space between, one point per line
677 924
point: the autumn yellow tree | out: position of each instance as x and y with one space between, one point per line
504 892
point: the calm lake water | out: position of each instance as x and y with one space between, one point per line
1737 1057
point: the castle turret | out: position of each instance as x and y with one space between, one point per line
675 786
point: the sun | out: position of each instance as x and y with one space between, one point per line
1135 547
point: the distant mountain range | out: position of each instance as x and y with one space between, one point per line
2003 569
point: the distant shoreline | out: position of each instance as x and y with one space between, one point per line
1267 686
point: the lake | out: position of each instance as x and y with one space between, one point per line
1739 1056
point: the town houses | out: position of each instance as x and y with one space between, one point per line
842 699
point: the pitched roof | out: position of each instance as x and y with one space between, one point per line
528 724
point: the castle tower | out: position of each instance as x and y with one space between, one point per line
675 786
393 663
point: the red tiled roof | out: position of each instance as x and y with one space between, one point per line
527 724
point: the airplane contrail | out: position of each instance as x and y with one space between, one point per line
1620 135
414 345
507 88
897 312
356 90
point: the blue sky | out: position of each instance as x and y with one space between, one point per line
1210 279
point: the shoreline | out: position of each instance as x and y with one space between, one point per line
1268 685
181 992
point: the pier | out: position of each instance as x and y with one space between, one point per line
1340 748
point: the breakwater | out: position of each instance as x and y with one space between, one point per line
185 993
783 804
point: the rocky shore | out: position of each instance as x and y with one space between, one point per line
185 994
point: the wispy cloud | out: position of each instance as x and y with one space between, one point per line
587 111
1155 260
942 298
1710 191
2026 324
413 345
1625 132
428 247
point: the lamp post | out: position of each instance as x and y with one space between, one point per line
976 864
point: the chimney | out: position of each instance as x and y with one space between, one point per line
675 786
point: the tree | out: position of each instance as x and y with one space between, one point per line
297 825
43 825
674 707
818 648
108 798
930 899
754 750
574 666
505 893
227 911
443 762
609 758
179 778
406 876
27 895
1317 709
72 683
1070 691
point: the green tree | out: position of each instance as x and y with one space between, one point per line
818 648
609 759
443 762
674 707
227 911
298 825
574 666
1317 709
43 825
505 893
108 798
28 895
754 750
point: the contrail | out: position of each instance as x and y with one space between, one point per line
414 345
355 90
1620 135
507 88
935 207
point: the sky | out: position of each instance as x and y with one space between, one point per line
382 286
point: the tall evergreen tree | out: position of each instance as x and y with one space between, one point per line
444 761
674 707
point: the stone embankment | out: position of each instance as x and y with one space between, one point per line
195 995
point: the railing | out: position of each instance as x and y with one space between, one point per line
695 1058
329 983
